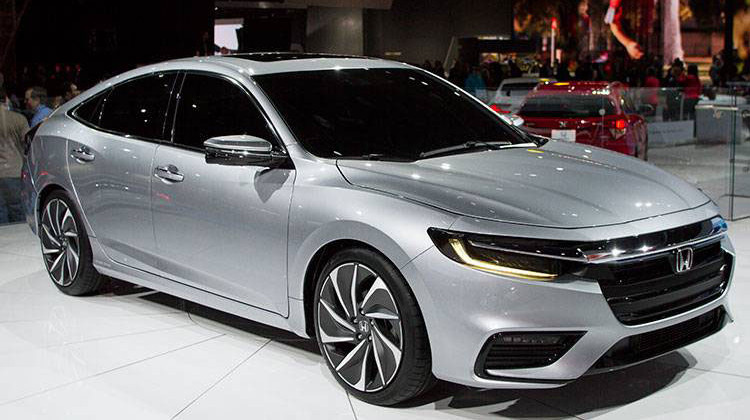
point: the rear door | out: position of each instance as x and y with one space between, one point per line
221 228
110 165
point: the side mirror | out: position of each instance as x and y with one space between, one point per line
242 150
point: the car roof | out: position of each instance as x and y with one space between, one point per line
284 62
270 57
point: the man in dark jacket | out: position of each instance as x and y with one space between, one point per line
13 127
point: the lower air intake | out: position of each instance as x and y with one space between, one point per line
524 350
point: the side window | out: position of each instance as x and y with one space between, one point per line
212 107
138 107
90 110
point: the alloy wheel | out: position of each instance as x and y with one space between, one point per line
60 242
359 327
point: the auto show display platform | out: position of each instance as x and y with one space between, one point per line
132 353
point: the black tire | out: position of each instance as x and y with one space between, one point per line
414 374
85 280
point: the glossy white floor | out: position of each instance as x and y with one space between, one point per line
136 354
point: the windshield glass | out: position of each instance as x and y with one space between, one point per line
391 113
567 106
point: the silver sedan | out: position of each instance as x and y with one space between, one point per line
381 210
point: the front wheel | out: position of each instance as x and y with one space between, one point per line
370 329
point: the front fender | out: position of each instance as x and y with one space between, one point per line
395 227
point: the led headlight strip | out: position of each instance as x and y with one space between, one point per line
458 247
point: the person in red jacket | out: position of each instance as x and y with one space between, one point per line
693 89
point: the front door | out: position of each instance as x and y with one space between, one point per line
220 228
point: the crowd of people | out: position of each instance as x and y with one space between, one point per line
20 113
487 75
55 85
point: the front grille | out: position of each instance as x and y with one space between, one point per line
647 289
638 348
524 350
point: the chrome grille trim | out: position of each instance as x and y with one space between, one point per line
626 255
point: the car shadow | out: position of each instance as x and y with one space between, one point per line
591 393
594 393
198 311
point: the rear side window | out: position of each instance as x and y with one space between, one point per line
212 107
90 110
567 106
138 107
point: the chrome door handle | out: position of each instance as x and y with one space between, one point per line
169 173
82 154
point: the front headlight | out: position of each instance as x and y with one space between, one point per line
504 256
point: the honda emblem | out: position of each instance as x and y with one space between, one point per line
683 260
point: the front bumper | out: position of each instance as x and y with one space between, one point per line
463 308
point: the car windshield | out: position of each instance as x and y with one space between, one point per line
399 114
567 106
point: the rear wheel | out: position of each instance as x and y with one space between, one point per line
65 247
370 330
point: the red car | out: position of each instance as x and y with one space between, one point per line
596 113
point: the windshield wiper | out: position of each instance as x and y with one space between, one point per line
494 145
533 138
378 156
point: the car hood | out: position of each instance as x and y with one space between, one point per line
557 185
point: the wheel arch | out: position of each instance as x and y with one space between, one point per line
398 242
41 197
315 266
